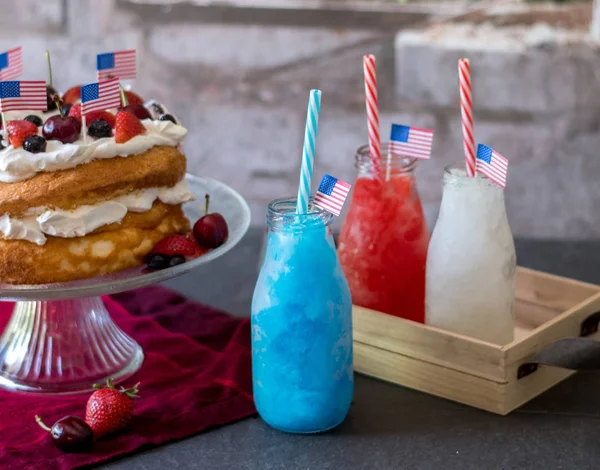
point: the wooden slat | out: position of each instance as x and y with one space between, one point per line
565 325
430 378
519 392
428 344
531 315
555 292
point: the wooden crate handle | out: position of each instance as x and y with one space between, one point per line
581 353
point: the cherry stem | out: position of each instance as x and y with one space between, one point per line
49 68
41 423
59 104
207 198
123 97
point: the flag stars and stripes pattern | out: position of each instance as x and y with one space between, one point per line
406 141
23 95
11 64
100 96
120 64
492 164
331 194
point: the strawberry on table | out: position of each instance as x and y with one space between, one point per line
176 245
127 127
75 111
18 130
108 409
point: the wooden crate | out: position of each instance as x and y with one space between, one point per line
477 373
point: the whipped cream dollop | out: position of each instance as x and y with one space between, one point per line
40 221
16 164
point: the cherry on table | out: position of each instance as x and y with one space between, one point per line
211 230
71 434
137 110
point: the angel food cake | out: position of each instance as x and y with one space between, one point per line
72 208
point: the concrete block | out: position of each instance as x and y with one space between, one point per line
244 47
506 77
32 15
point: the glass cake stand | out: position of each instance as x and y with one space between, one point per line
61 339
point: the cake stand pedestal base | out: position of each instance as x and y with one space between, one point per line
64 346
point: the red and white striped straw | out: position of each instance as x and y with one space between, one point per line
372 109
466 110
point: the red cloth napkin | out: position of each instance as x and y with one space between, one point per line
196 375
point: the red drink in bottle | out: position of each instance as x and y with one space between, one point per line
384 239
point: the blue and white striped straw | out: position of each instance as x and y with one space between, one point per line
308 152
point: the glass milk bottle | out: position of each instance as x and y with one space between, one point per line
384 238
471 261
301 325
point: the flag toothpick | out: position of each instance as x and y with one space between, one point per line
406 141
119 64
332 194
98 96
492 164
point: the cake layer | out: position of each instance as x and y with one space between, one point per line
89 219
110 249
17 164
95 182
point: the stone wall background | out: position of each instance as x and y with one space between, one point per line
241 89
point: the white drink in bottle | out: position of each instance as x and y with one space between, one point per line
471 261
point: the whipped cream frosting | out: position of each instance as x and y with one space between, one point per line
40 221
16 164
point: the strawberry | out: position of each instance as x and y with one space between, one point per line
75 111
106 115
18 130
72 95
109 409
132 98
109 117
176 245
127 127
200 250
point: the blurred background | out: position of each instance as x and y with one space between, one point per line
237 74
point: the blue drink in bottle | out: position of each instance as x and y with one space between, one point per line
301 325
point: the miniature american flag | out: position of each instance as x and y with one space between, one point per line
29 95
119 64
100 96
331 194
11 64
491 164
406 141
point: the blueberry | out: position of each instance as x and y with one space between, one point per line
2 147
35 144
65 109
157 261
176 260
35 119
167 117
157 108
100 128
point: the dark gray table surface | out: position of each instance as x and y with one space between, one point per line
391 427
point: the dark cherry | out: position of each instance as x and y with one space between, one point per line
157 261
51 97
211 230
100 128
71 434
167 117
35 144
35 119
65 108
137 110
176 260
63 128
